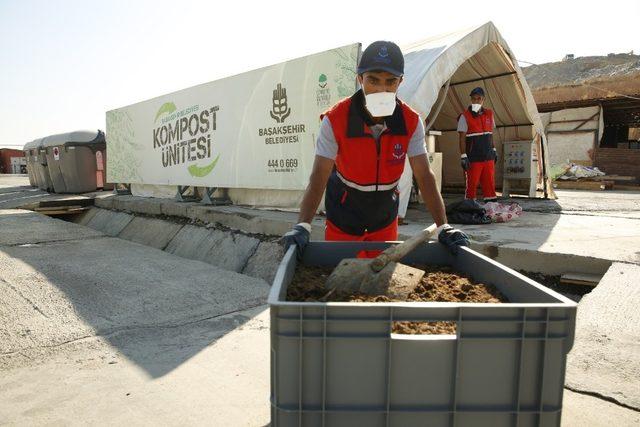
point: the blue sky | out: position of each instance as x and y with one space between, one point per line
63 64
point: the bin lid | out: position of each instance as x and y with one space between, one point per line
79 137
32 144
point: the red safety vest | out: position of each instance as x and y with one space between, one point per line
361 193
479 138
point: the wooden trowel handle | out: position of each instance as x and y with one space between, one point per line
396 252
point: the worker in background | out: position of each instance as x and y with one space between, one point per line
360 156
478 154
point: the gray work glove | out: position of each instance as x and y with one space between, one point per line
452 238
464 162
299 236
495 156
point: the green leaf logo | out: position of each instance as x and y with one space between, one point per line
322 81
167 107
202 171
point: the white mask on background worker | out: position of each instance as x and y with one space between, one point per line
477 98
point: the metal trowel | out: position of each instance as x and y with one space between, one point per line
382 275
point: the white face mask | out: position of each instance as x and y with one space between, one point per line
381 104
476 107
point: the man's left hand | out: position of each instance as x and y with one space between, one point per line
495 156
452 238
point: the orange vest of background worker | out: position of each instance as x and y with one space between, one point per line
478 154
360 156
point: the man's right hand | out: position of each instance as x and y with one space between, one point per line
464 162
299 236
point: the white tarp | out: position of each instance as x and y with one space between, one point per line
466 59
574 134
431 62
253 130
478 55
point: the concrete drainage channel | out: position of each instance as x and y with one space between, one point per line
258 255
253 255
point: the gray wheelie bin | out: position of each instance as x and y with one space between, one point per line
30 154
52 146
41 167
75 161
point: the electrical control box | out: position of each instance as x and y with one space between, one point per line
520 167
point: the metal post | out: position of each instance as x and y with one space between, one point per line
182 197
208 199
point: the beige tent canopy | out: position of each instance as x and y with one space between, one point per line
440 72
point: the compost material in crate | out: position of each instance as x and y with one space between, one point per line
438 284
344 363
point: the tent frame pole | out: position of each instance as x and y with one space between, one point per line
510 73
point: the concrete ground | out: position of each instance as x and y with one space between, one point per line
99 330
14 181
581 410
579 232
606 355
215 372
15 192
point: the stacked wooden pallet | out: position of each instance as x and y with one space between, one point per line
604 182
61 210
64 206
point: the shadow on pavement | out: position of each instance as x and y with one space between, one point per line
61 283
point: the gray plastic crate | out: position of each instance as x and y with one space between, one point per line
338 364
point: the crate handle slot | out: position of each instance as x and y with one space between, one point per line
424 330
423 337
